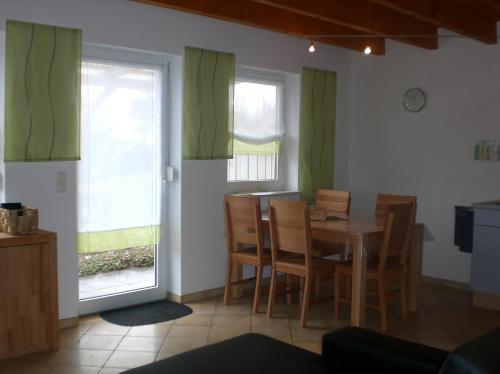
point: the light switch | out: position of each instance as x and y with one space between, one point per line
61 181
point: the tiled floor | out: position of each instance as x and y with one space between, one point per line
112 282
445 319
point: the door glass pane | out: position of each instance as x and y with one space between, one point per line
119 180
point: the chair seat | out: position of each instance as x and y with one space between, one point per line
297 265
249 256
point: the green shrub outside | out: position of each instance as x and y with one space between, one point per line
102 262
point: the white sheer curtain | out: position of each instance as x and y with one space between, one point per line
256 112
119 176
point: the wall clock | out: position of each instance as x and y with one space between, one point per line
413 100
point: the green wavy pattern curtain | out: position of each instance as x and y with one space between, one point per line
208 104
42 92
317 131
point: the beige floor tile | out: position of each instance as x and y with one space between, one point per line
140 344
195 320
309 346
261 320
280 333
189 332
233 309
106 328
74 370
312 322
158 330
219 333
334 324
245 300
229 320
206 306
90 318
111 371
84 357
127 359
69 337
105 342
43 358
308 334
172 347
25 368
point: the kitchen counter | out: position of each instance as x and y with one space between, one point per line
491 205
485 262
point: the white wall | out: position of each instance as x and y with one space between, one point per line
196 244
428 154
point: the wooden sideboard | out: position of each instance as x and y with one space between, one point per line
29 317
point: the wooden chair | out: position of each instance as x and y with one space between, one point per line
391 262
291 235
384 201
333 201
336 201
245 243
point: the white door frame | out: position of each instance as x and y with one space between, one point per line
120 55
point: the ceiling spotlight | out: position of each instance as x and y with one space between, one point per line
367 51
312 48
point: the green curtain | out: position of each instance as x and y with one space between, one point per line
208 104
42 92
317 131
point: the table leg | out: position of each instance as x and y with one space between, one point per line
358 282
415 267
237 289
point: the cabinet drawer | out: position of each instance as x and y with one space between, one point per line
485 263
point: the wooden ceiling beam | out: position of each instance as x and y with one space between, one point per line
363 16
463 17
492 7
263 16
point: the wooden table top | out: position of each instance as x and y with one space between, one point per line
349 224
345 223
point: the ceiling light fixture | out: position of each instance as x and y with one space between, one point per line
367 51
312 48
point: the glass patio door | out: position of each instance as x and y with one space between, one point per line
119 183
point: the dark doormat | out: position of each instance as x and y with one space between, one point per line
146 314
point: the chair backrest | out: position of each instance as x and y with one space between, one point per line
397 231
243 220
290 228
333 200
384 201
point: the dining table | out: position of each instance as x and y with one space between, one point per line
362 237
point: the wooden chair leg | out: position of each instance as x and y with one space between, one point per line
288 280
337 295
272 294
227 287
382 297
305 300
258 287
403 284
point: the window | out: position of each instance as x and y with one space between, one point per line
258 130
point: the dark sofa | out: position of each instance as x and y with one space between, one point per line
347 350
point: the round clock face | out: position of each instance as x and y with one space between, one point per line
414 100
